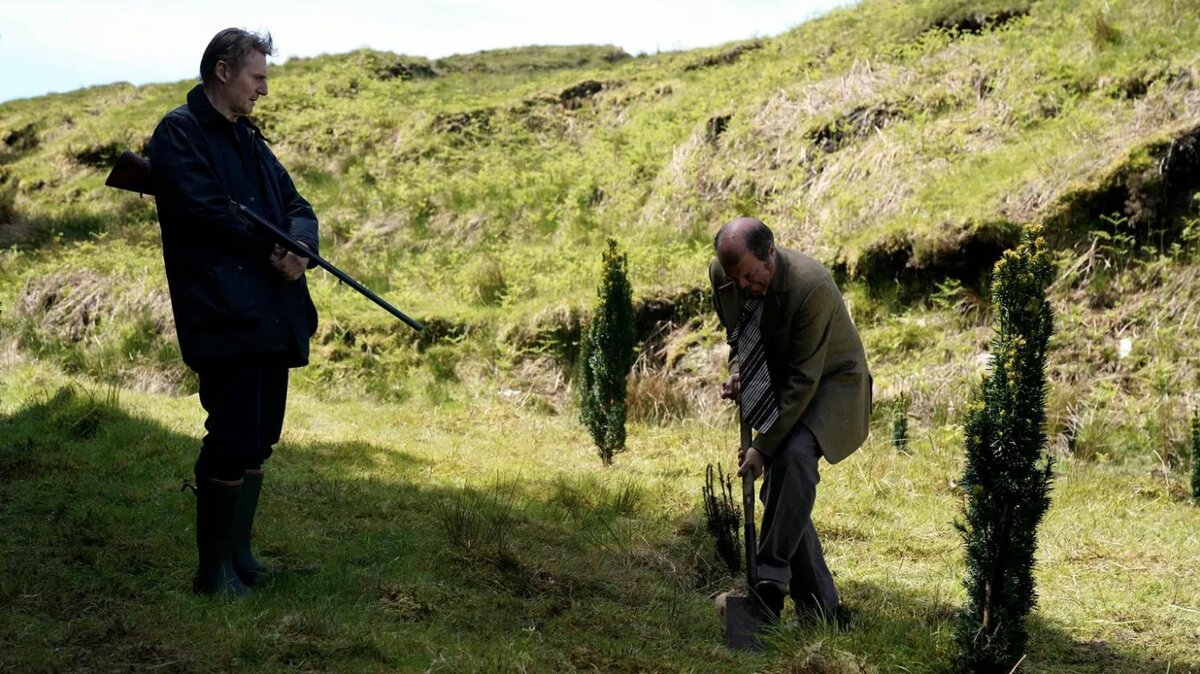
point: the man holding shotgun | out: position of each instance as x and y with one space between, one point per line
799 373
242 310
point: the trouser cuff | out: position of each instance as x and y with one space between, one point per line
781 575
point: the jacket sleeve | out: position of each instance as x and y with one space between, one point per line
301 219
808 345
186 183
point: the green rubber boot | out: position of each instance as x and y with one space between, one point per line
249 570
216 507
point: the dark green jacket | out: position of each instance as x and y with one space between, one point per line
816 359
226 297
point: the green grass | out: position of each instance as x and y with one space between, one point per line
484 536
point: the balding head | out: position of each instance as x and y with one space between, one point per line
738 236
745 249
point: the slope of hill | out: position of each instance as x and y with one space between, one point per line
902 143
873 137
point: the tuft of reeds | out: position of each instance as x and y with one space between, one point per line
723 518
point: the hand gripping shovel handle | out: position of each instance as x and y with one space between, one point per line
748 511
743 616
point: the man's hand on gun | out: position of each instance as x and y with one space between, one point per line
289 265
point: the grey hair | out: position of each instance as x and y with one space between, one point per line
232 45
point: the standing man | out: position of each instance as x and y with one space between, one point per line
799 371
241 305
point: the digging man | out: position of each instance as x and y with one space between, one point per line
798 366
241 305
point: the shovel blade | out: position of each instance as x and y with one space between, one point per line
742 624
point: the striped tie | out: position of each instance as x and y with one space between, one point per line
759 408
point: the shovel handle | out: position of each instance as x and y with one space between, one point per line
748 511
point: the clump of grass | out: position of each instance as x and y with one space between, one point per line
442 361
478 523
627 499
110 325
8 198
1089 434
820 656
900 423
82 415
655 396
1104 34
584 497
486 280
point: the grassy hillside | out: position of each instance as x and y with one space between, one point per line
902 143
869 135
440 508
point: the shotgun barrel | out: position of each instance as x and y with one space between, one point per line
132 173
289 242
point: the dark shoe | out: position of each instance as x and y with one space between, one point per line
769 599
216 506
249 570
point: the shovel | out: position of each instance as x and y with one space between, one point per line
743 618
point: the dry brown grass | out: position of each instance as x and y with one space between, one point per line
72 305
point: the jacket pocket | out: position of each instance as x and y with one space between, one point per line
228 293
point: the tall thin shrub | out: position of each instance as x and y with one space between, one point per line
607 356
1196 455
1007 475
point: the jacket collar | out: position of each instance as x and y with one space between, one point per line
203 109
779 282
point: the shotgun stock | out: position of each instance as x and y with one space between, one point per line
131 173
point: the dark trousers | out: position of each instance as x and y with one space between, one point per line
789 552
245 398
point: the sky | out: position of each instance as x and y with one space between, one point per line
51 46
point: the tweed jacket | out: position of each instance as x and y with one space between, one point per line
814 354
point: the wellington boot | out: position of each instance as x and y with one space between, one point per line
248 569
216 507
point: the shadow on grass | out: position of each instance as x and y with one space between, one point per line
384 568
380 567
906 631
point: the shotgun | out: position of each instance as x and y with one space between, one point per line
132 173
